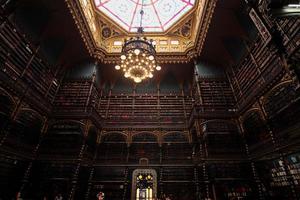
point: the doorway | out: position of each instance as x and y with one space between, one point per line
144 184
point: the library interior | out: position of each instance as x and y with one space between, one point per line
150 99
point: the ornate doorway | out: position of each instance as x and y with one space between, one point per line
144 184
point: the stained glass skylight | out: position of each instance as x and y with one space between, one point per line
159 15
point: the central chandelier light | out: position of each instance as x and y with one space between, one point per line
138 56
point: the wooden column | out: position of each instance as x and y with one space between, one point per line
184 108
160 182
196 76
196 181
90 183
158 105
253 167
87 104
133 100
126 183
28 171
30 60
74 179
108 103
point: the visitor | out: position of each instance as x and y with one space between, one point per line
58 197
100 196
19 196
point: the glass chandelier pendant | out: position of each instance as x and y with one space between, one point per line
138 56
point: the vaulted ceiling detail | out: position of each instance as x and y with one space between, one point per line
179 36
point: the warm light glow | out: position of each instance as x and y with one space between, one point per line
151 57
138 63
137 80
117 43
158 68
137 51
123 57
137 194
138 56
85 2
174 42
147 194
150 193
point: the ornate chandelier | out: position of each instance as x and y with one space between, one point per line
138 56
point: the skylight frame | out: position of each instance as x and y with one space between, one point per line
159 25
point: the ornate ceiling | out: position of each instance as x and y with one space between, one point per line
159 15
179 27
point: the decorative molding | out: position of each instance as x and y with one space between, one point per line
99 35
263 30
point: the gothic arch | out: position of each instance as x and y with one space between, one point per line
144 136
181 136
270 92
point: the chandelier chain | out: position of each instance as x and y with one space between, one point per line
138 59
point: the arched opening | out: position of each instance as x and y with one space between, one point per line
113 148
25 131
255 129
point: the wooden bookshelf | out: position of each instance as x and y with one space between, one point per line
259 69
216 93
280 98
288 174
21 61
149 109
290 30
